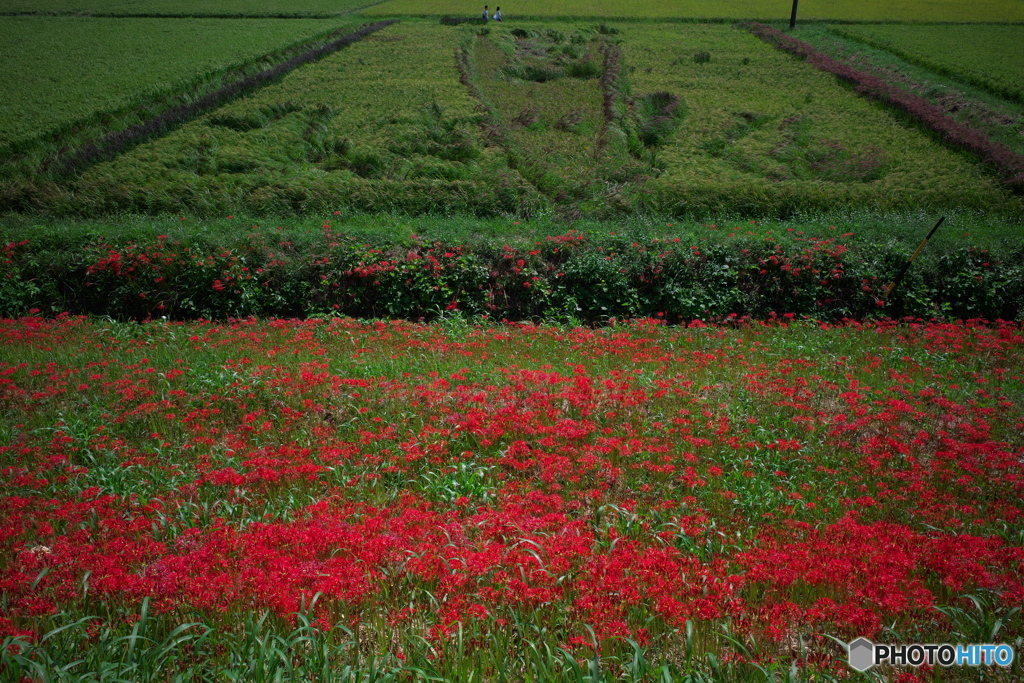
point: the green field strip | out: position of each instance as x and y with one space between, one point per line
989 57
187 8
844 10
50 79
243 8
58 7
765 131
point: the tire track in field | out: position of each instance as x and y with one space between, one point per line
115 143
608 149
495 133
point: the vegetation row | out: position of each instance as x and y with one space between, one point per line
568 277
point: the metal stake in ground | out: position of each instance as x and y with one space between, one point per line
792 17
906 266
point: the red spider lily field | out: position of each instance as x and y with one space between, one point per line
333 499
381 341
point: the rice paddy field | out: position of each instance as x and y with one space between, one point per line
383 125
683 10
51 64
559 118
1001 118
624 396
983 55
764 130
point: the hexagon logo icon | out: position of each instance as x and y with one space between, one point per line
862 654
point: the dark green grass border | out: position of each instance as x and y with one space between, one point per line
907 228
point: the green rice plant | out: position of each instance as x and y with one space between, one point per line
845 10
64 72
381 125
765 133
998 117
987 56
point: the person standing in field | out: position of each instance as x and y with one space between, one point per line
486 13
497 14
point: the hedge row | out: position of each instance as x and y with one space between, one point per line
1000 157
571 277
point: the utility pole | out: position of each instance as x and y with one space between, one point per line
792 17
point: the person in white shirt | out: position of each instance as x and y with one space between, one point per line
497 14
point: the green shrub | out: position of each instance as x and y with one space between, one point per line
567 276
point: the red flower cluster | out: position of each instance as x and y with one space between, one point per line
432 478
